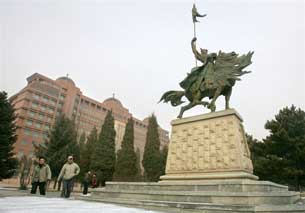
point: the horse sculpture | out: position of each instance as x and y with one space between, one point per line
215 77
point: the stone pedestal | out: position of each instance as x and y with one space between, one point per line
208 147
208 170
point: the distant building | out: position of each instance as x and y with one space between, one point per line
38 104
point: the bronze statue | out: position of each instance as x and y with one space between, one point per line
215 77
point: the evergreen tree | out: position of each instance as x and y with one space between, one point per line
82 150
138 165
286 144
103 158
62 142
40 149
8 137
280 157
164 152
25 167
126 168
82 140
152 161
264 165
87 151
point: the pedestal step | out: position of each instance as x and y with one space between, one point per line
232 198
214 197
167 206
192 207
221 186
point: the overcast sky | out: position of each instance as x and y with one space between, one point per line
139 49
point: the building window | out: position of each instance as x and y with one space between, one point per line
27 132
41 116
47 127
45 99
38 125
24 142
36 96
43 108
53 102
45 135
31 113
36 134
29 122
62 97
34 104
51 110
20 154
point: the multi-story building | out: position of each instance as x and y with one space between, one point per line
38 104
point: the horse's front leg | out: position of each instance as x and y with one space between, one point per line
184 108
181 112
212 105
227 97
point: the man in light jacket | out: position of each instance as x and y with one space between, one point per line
67 174
41 176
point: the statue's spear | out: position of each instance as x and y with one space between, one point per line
195 14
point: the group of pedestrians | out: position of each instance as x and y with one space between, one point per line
89 179
41 176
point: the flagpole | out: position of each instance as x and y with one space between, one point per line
195 37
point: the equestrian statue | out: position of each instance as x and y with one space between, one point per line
216 76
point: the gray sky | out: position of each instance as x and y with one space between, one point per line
139 49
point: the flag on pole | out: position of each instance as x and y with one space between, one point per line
195 14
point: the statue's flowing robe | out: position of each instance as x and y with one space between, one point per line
226 66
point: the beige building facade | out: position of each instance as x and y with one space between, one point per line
43 99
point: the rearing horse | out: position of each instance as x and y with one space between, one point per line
215 77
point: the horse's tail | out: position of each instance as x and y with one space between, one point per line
173 96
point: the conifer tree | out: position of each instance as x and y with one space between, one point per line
87 151
164 152
8 137
126 168
61 143
103 157
138 165
152 162
82 150
260 160
286 143
25 165
280 157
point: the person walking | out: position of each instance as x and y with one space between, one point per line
94 181
67 174
86 182
41 177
